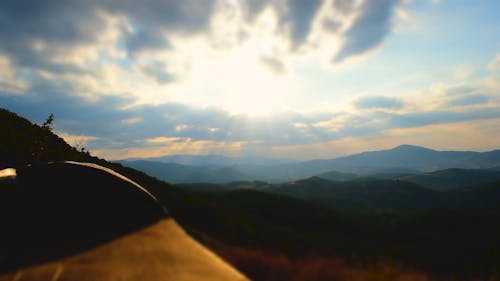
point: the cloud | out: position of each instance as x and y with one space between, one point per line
144 39
33 32
78 141
369 29
469 100
252 8
115 130
274 64
378 102
301 15
464 72
164 140
460 90
494 65
156 70
344 6
298 15
29 28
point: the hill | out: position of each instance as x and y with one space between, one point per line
247 225
23 142
399 161
370 195
453 178
213 160
178 173
337 176
84 221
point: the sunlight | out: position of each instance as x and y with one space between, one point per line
252 88
247 76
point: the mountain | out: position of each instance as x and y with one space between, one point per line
371 194
337 176
214 160
178 173
453 178
400 161
408 157
360 220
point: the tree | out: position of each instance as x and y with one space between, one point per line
47 125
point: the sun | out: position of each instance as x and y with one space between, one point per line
250 87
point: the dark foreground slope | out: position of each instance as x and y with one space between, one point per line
75 221
52 210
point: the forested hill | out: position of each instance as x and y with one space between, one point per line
23 143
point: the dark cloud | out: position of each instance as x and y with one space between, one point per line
298 15
144 39
369 29
252 8
301 15
23 23
68 23
64 25
371 102
184 16
157 71
418 119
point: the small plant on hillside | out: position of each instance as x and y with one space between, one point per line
47 125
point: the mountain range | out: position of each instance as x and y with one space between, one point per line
363 209
404 160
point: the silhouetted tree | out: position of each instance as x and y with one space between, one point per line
49 122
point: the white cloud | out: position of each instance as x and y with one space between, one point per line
464 72
166 140
9 81
494 65
78 141
131 121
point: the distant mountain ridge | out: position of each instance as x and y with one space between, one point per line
453 178
179 173
410 157
213 160
403 160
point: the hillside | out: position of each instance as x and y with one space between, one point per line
371 194
23 142
337 176
83 221
453 178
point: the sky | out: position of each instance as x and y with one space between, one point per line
299 79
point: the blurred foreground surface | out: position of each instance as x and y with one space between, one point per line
74 221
